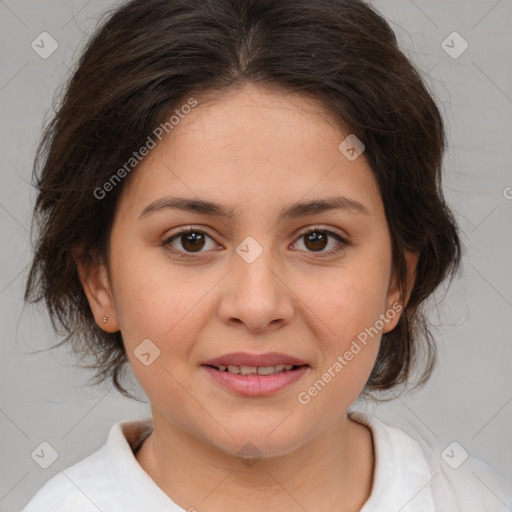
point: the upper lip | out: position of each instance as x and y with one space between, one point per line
246 359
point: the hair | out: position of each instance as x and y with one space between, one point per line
148 55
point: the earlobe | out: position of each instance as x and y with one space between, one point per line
96 284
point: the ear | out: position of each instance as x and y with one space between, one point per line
395 303
96 284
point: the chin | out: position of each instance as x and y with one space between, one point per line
259 441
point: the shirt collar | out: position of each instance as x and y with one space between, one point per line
138 489
401 475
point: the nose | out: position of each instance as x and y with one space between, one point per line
256 295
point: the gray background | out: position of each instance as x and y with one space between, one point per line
469 397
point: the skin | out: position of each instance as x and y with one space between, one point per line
255 150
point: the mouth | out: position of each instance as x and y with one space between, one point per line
255 374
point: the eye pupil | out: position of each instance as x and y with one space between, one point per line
195 239
318 239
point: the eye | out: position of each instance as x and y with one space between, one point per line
189 240
316 239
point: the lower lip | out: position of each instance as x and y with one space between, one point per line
256 385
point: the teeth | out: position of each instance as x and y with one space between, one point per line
253 370
245 370
266 370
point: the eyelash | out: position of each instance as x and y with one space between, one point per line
343 242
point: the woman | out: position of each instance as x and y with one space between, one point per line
242 200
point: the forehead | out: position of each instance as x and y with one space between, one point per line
252 148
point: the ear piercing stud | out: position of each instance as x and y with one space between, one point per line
105 319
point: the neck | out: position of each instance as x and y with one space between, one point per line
333 472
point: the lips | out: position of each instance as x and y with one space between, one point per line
255 374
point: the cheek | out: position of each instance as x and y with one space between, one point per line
348 347
349 299
347 307
157 300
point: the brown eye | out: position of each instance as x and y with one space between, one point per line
317 240
189 241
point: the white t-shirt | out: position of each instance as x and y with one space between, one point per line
409 476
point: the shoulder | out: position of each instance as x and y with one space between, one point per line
472 484
95 482
428 476
74 488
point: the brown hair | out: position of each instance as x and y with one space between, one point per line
150 54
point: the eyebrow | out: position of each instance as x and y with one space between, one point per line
292 211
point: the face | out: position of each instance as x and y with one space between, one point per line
253 274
